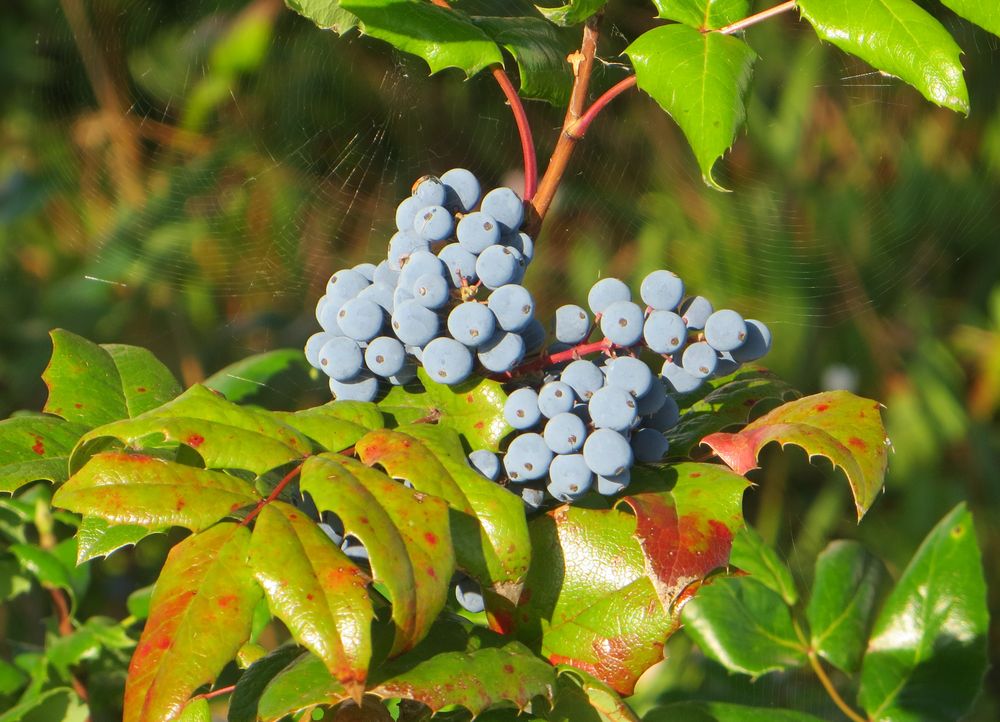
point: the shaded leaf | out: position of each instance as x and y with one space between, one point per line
984 14
251 684
751 555
138 602
897 37
35 448
703 14
143 490
724 712
54 705
336 425
42 564
572 12
304 683
250 376
12 581
540 51
200 616
473 409
838 425
97 537
92 385
744 626
444 38
700 80
327 14
928 650
581 698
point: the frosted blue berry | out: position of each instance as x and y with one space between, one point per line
695 312
340 358
662 290
506 207
527 458
605 292
431 191
486 463
725 330
569 477
572 324
512 305
757 343
447 361
460 263
556 397
463 189
471 323
363 387
649 445
521 409
433 223
385 356
622 323
414 324
664 332
699 360
477 231
584 377
607 453
361 319
502 353
565 433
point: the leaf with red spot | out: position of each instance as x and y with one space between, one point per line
337 425
838 425
319 594
474 409
606 585
489 529
151 492
92 385
406 533
226 436
201 614
34 448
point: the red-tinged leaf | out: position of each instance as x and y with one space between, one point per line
151 492
337 425
92 385
838 425
226 436
406 533
319 594
496 550
200 616
33 448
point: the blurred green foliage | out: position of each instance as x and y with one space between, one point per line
186 175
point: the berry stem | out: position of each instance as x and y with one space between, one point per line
570 354
757 18
579 128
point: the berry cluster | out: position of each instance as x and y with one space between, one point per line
421 305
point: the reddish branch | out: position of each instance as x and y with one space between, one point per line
757 18
579 128
285 481
216 693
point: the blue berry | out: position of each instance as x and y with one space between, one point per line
523 243
499 265
326 314
403 245
653 400
406 211
527 458
431 290
506 207
380 294
662 290
313 344
367 270
414 324
463 189
361 319
460 264
664 418
471 323
385 275
433 223
664 332
725 366
343 286
725 330
556 397
584 377
695 312
431 191
447 361
605 292
679 380
757 343
533 498
521 409
607 453
477 231
363 387
420 263
512 305
405 375
569 477
615 484
649 445
699 360
622 323
486 463
565 433
630 374
572 324
502 353
534 336
470 595
385 356
612 408
340 358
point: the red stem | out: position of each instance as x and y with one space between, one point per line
579 128
570 354
757 18
216 692
273 495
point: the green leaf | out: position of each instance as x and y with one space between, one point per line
744 626
928 651
700 80
573 12
703 14
12 678
197 710
248 377
983 13
405 532
444 38
12 582
45 566
540 51
838 425
897 37
149 492
327 14
847 585
92 385
243 705
97 537
581 698
724 712
138 602
311 586
473 409
304 683
55 705
34 448
200 616
753 556
336 425
496 550
226 436
605 585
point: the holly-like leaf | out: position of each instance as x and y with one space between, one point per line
200 616
319 594
838 425
92 385
744 626
34 448
336 425
154 493
540 51
581 698
248 377
751 555
984 14
572 12
489 530
226 436
700 80
97 537
897 37
444 38
724 712
251 684
846 587
327 14
703 14
928 651
473 409
606 585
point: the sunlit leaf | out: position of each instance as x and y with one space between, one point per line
985 14
327 14
251 376
703 14
97 537
572 12
336 425
34 448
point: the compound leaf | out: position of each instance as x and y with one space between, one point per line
703 14
540 51
34 448
751 555
984 14
327 14
573 12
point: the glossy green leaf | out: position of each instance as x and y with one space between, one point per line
143 490
327 14
489 530
92 385
247 377
54 705
311 586
200 616
197 710
573 12
251 684
444 38
751 555
724 712
304 683
336 425
406 533
97 537
744 626
606 585
984 13
838 425
700 80
928 650
35 448
226 436
473 409
540 51
703 14
897 37
847 585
